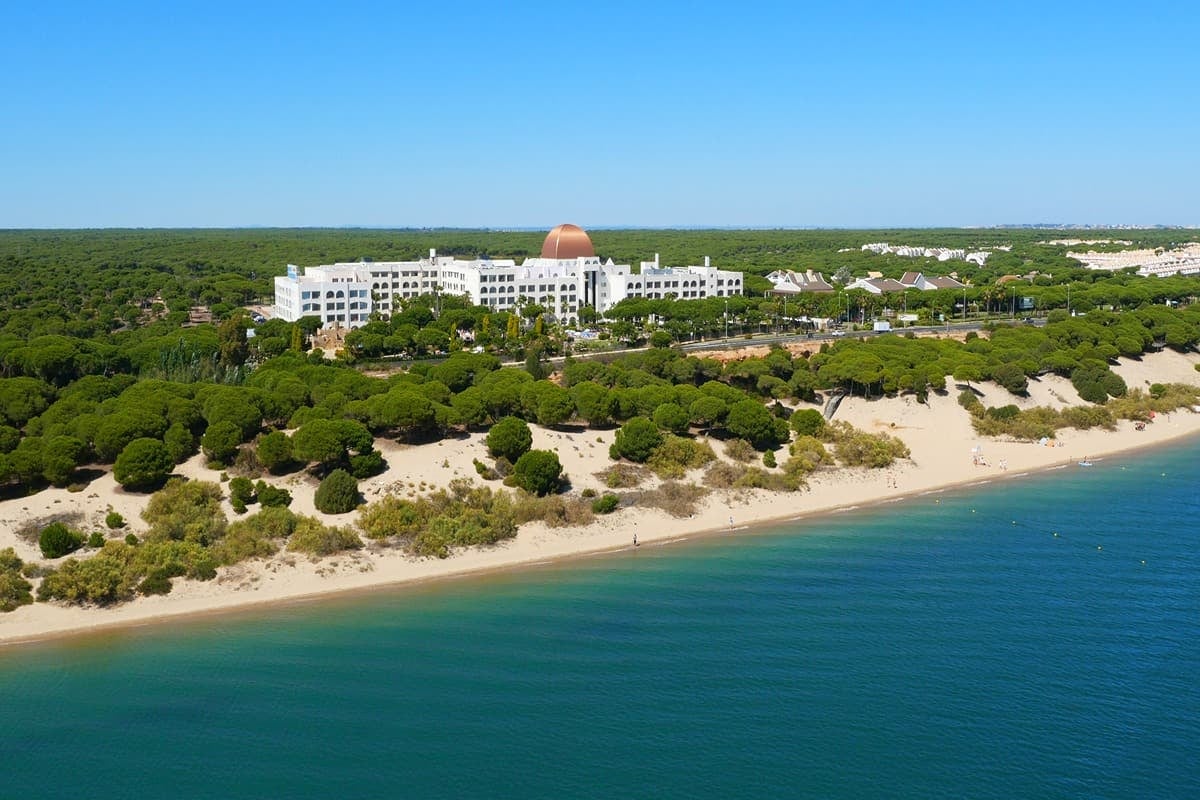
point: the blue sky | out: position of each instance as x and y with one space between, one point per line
646 114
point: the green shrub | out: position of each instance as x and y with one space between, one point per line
1087 417
768 459
15 591
272 496
312 537
186 511
808 453
364 465
96 539
855 448
606 504
676 455
970 401
337 494
56 540
253 537
588 493
114 520
538 471
484 471
636 440
1003 413
241 490
757 478
807 422
509 438
391 516
131 539
155 583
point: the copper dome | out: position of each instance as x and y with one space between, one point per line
567 241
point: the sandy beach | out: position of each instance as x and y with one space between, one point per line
945 452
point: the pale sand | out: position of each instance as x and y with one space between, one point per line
939 435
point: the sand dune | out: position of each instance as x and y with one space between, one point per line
945 451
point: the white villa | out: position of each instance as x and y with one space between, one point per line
566 277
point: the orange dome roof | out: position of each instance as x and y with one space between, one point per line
567 241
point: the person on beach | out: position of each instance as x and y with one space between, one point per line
731 522
635 544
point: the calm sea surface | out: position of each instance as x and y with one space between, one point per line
926 649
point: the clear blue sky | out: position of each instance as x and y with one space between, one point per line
643 113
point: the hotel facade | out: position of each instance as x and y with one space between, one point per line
566 277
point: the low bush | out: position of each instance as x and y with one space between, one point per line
255 536
364 465
57 540
606 504
623 476
459 515
15 591
677 454
484 471
114 520
96 539
272 496
855 448
677 499
311 536
758 478
722 475
556 511
241 489
741 450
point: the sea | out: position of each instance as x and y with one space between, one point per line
1032 638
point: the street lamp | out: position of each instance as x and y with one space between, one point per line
726 319
964 304
1014 301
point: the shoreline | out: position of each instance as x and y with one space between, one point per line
946 454
139 613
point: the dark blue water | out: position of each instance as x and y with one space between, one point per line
948 646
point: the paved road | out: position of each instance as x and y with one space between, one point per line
737 342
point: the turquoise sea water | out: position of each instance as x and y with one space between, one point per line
922 649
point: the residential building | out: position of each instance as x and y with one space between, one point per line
787 282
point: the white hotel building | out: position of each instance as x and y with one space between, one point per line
567 276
